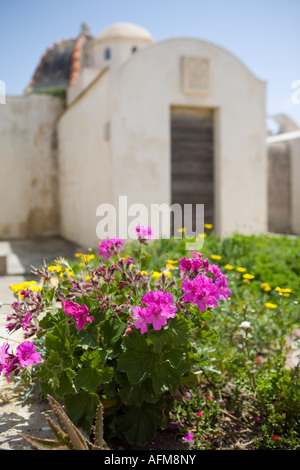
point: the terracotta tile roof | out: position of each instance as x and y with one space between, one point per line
60 65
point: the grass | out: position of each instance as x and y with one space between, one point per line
248 394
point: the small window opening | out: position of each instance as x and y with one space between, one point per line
107 53
134 49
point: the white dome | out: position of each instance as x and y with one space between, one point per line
126 31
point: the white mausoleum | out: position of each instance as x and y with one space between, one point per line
176 121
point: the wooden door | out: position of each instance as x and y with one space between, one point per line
192 162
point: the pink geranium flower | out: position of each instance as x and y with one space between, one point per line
203 284
222 285
79 312
202 291
159 307
27 321
27 355
144 232
109 248
5 360
142 315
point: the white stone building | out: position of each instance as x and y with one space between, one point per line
177 121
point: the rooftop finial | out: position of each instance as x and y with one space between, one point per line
85 30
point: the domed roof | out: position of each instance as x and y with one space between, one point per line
125 30
61 63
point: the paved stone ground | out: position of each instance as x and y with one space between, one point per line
17 417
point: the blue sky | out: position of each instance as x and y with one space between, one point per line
264 34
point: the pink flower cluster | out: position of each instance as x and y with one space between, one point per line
143 232
203 284
191 267
24 313
109 248
159 307
78 312
26 355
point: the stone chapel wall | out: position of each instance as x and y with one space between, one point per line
28 174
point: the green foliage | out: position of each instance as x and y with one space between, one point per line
109 361
141 380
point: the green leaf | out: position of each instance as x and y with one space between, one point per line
165 378
88 337
81 409
135 394
89 378
139 423
140 361
92 358
60 339
55 378
174 334
112 331
52 319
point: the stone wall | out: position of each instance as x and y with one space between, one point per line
283 183
28 175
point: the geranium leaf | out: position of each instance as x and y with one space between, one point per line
89 378
139 424
81 408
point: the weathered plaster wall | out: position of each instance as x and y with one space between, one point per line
279 188
28 174
84 162
134 101
283 182
143 91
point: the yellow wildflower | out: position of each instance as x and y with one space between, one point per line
171 261
57 268
270 305
87 258
216 256
228 266
266 287
181 230
156 274
144 272
202 235
209 226
246 281
241 270
29 285
285 292
248 276
87 278
170 266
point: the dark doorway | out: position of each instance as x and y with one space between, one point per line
192 162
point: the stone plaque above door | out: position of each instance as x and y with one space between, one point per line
195 75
